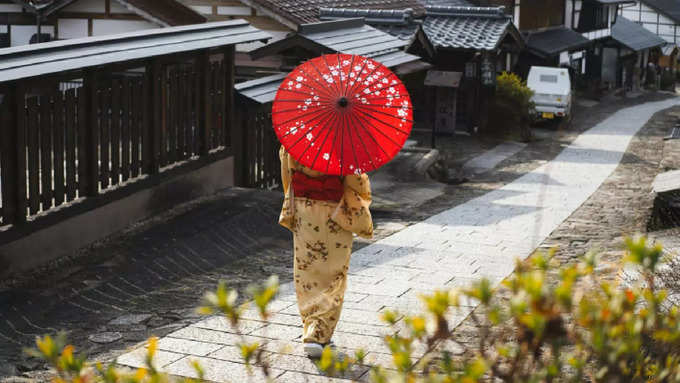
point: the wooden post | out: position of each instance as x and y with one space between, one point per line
13 141
238 144
204 110
152 118
228 127
91 134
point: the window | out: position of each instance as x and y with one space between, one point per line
548 78
4 40
601 16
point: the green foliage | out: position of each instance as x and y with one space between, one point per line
553 324
512 108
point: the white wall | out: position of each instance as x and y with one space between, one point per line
110 27
87 6
10 8
72 28
234 10
116 7
202 9
21 34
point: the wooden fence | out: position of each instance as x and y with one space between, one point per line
259 149
64 138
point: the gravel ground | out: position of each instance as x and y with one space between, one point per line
621 207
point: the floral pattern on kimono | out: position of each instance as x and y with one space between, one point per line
322 237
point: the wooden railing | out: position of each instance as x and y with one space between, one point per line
109 128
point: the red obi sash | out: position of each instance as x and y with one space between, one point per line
324 188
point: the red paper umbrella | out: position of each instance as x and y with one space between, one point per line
342 114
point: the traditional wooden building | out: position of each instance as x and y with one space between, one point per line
151 126
574 33
30 21
661 17
634 44
459 40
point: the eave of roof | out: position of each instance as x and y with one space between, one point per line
261 90
469 28
350 36
670 8
634 36
444 26
551 42
63 55
610 2
164 12
293 13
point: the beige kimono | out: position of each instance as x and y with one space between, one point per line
322 237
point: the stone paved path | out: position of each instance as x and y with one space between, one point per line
493 157
480 238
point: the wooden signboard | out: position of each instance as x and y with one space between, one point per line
446 84
443 79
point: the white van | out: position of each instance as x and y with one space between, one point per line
552 91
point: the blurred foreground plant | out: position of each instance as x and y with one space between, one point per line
558 324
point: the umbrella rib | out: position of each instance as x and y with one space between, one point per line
342 147
311 142
361 90
383 133
320 114
354 87
349 89
386 114
335 137
311 62
369 134
303 135
322 143
386 106
299 116
349 132
298 109
351 68
305 93
340 77
322 87
326 125
335 85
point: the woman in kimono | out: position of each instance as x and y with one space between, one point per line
323 212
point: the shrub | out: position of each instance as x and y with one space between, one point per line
512 108
558 324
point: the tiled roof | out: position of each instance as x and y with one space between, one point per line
261 90
361 40
454 3
553 41
398 23
307 11
670 8
446 26
477 28
349 36
27 61
163 12
634 36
